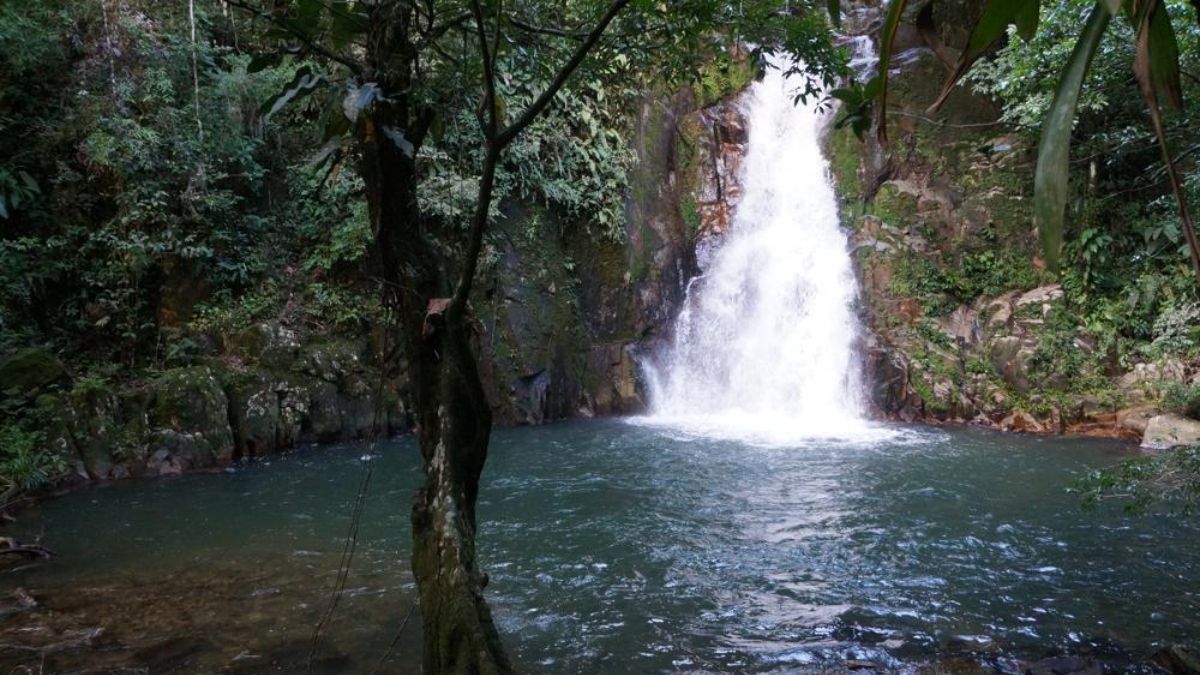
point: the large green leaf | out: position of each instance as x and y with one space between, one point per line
992 25
347 24
1156 65
1163 52
835 11
887 37
1052 177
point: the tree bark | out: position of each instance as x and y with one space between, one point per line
453 425
453 418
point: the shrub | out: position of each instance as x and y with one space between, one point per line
24 463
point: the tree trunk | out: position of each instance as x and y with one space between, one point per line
452 414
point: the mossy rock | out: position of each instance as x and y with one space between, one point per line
190 402
29 371
894 206
253 413
271 344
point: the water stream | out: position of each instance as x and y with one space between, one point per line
755 522
764 345
619 548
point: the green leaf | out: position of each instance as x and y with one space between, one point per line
887 37
835 11
848 96
1027 20
872 88
3 208
302 84
346 25
30 184
307 17
1164 56
1052 176
261 62
991 26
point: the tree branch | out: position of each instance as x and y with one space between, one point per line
436 31
510 132
495 140
556 32
305 39
489 124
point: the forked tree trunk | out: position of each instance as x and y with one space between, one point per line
453 421
453 417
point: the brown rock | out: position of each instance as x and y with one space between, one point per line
1022 421
1136 418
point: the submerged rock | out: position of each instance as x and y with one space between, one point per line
1064 665
1178 659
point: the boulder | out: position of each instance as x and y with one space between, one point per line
325 418
1153 374
92 414
531 394
1178 659
1136 418
1011 361
1042 295
29 371
1164 432
1064 665
255 414
1022 421
189 416
295 401
272 345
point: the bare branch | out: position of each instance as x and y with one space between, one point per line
541 30
306 40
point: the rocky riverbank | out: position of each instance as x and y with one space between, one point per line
964 323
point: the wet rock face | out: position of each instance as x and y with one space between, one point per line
721 137
268 392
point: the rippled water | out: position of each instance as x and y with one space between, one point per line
614 547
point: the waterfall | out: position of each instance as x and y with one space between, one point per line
764 346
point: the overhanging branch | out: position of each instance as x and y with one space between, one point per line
305 39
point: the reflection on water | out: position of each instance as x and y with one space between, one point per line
614 547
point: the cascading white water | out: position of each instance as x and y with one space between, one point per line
764 346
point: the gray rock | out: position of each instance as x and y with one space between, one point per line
255 414
1164 432
189 416
1064 665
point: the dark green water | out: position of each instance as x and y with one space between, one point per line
614 547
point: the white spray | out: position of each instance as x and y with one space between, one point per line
764 346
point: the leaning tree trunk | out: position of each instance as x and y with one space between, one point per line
452 416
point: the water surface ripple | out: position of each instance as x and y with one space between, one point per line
614 547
